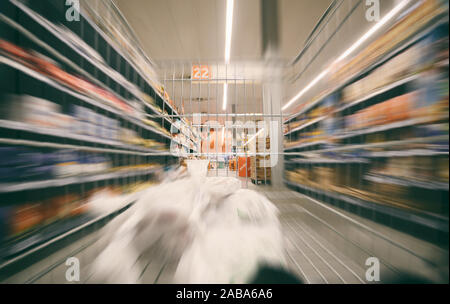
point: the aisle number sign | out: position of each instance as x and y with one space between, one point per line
200 72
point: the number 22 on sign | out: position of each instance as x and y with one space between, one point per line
200 72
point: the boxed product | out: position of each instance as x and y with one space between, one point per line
324 176
66 163
260 173
79 112
31 110
59 207
442 168
260 161
26 217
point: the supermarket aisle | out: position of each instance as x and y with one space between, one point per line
328 245
323 245
309 254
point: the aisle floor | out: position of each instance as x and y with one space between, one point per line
323 245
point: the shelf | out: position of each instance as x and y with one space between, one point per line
309 106
60 182
64 134
431 25
130 87
377 92
358 101
384 144
29 247
393 180
233 154
34 143
427 219
132 64
314 121
185 135
406 153
179 143
79 96
51 50
386 127
327 161
50 27
305 145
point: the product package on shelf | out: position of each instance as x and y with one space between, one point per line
260 169
397 34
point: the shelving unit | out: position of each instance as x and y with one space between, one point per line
87 118
344 165
439 20
75 64
60 182
28 248
432 221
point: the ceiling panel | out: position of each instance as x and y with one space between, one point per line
297 19
203 97
195 29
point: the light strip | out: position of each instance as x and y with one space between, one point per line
225 96
228 30
358 43
374 28
228 34
312 83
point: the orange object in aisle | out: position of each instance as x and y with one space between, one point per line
244 166
232 165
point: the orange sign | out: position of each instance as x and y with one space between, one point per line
200 72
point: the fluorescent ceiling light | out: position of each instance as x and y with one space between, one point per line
374 28
228 33
228 30
225 96
319 77
358 43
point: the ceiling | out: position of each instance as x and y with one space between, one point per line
208 97
177 34
194 30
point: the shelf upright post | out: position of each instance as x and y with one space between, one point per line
182 86
137 128
174 95
142 159
200 89
216 144
117 156
254 116
84 154
226 119
127 123
110 115
190 90
96 48
208 135
164 103
234 130
265 131
244 130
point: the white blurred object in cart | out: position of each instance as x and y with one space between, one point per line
217 232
